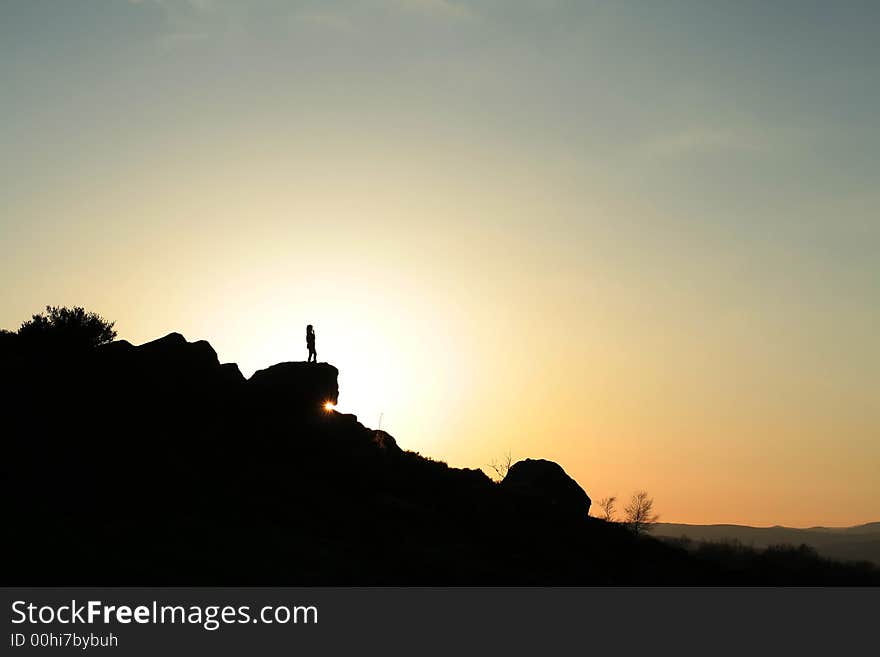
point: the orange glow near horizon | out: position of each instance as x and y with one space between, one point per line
467 355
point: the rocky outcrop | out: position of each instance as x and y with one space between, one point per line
173 348
547 482
302 384
171 361
168 363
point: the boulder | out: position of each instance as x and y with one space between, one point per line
547 481
299 384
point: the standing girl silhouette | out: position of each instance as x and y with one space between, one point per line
310 343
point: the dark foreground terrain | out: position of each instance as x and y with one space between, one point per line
156 464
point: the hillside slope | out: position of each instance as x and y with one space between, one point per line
158 465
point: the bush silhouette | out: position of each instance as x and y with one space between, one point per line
66 329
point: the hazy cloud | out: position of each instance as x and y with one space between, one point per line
440 8
190 20
338 22
698 139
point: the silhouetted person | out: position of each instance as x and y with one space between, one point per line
310 343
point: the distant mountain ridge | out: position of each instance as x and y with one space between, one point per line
856 543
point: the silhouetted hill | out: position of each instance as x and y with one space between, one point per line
859 543
156 464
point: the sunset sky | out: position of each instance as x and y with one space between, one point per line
639 239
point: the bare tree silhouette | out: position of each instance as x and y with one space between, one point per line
639 513
607 507
500 468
